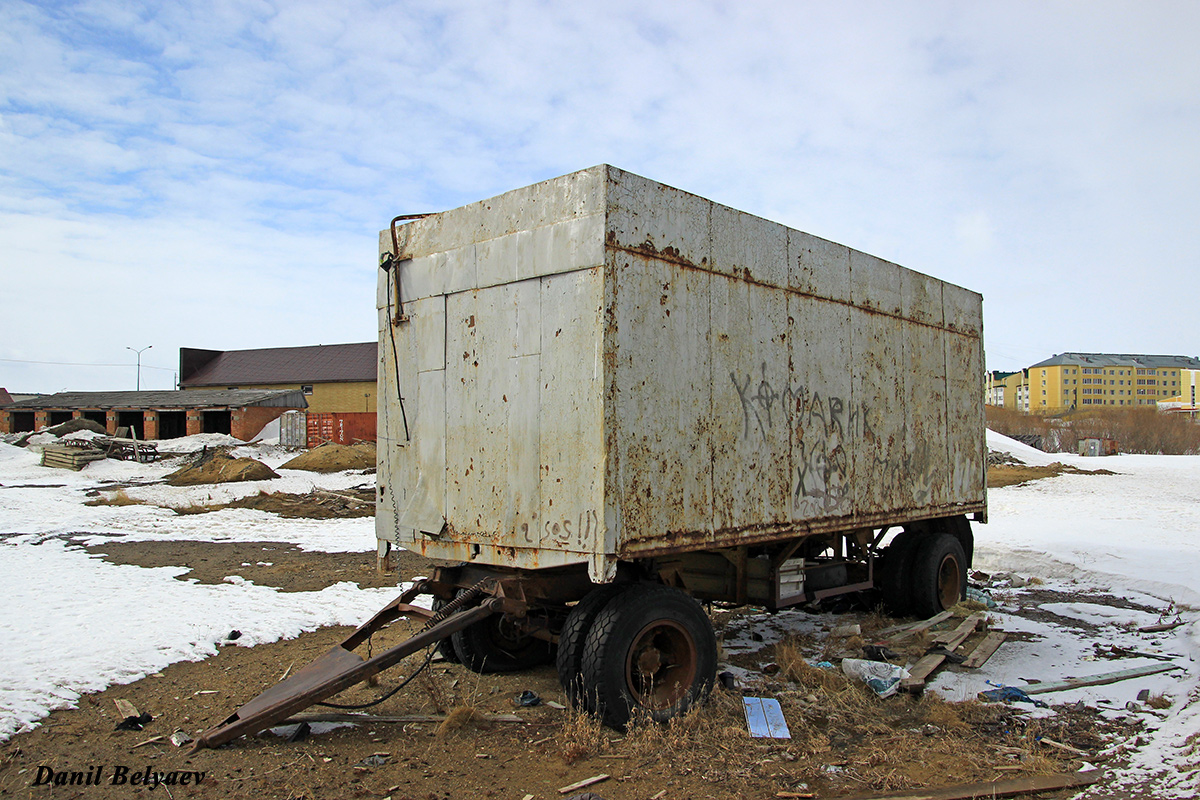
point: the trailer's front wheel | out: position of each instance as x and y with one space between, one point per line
652 649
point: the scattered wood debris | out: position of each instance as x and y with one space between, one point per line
1005 788
583 783
70 456
1100 680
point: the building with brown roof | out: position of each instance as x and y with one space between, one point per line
156 415
334 378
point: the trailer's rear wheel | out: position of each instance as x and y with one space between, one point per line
574 633
650 648
496 644
895 572
939 575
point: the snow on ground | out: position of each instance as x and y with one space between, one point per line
85 624
1096 542
77 624
1134 535
48 502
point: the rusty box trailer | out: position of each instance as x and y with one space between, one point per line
603 399
600 368
602 372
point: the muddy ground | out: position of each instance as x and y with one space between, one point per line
999 475
846 742
454 734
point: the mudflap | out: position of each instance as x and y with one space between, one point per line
341 668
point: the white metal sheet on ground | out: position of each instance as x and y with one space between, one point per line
764 718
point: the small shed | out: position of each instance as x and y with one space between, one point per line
1097 447
241 413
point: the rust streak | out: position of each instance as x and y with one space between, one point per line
671 256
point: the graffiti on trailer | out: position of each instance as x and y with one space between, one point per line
567 532
820 426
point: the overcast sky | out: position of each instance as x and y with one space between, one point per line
213 174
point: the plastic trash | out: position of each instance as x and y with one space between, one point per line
528 698
1009 694
980 596
132 723
883 678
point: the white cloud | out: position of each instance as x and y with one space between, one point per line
1042 153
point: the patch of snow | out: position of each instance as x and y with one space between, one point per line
1023 452
85 624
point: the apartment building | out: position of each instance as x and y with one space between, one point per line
1084 380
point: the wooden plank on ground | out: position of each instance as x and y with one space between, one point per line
1100 680
909 628
983 651
920 671
372 718
989 789
583 783
952 639
948 641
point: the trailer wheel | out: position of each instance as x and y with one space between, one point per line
939 575
650 650
574 633
496 645
895 572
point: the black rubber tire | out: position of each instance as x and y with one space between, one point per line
939 575
490 646
648 631
574 633
895 572
960 528
445 647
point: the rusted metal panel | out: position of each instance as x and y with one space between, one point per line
293 429
750 431
625 368
339 427
572 447
826 426
662 397
818 267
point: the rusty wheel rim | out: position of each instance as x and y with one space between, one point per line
661 665
949 582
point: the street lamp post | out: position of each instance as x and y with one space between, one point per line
139 363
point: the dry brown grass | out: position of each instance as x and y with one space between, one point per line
1159 701
795 668
581 736
1136 430
118 498
456 720
195 508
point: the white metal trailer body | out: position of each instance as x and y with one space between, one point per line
601 368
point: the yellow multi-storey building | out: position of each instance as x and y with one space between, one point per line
1008 390
1084 380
